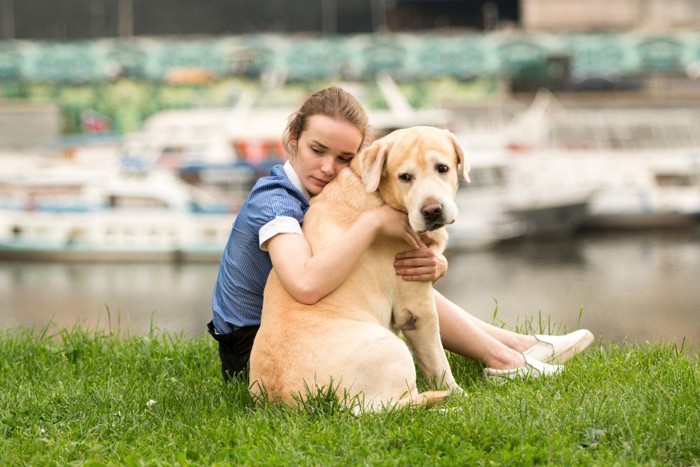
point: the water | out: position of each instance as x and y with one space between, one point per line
637 287
633 286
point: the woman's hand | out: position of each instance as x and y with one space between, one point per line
420 264
394 223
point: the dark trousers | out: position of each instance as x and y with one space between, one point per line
234 350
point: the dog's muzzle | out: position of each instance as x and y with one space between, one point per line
433 216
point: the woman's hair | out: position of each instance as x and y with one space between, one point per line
332 102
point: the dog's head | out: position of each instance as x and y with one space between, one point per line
415 170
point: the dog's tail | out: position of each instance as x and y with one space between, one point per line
423 399
427 398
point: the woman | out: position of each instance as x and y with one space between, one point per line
321 139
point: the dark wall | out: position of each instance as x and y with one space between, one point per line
88 19
64 19
436 14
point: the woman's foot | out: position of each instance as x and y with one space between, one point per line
531 369
559 349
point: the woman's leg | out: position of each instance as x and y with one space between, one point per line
472 338
458 330
234 350
518 342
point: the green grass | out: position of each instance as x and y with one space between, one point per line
91 398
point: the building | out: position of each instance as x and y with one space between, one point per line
606 15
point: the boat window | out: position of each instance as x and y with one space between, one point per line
678 180
120 202
485 177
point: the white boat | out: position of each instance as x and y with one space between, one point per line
111 216
482 221
646 161
510 197
641 166
478 228
642 190
174 138
540 193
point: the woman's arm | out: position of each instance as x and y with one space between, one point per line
309 278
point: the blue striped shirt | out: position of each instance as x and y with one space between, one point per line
276 204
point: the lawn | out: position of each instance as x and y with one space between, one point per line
83 397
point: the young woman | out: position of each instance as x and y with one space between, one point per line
321 139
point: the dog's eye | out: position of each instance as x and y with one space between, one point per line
442 168
405 177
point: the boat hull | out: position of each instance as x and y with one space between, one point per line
626 221
9 253
553 221
113 236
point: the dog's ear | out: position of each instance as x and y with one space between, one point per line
371 164
463 162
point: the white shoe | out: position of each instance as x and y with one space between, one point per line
559 349
532 369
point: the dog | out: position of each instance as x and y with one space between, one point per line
348 342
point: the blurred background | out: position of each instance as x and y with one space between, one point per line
131 132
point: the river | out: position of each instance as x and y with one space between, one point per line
639 287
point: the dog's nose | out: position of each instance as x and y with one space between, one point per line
432 211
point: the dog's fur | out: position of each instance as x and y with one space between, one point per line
347 342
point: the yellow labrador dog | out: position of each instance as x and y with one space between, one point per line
348 341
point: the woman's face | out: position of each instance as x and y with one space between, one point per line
326 146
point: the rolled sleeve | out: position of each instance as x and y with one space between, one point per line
278 225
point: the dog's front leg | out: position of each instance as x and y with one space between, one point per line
417 318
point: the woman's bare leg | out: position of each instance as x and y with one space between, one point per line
473 338
470 337
515 341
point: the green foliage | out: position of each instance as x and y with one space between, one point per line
89 398
126 103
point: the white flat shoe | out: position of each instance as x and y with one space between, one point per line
532 369
559 349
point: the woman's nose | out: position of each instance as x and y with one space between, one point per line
327 166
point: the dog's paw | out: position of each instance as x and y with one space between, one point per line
458 391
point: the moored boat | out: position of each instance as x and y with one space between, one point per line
121 217
641 166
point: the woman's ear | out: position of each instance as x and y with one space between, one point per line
293 145
371 162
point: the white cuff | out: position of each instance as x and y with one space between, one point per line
278 225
